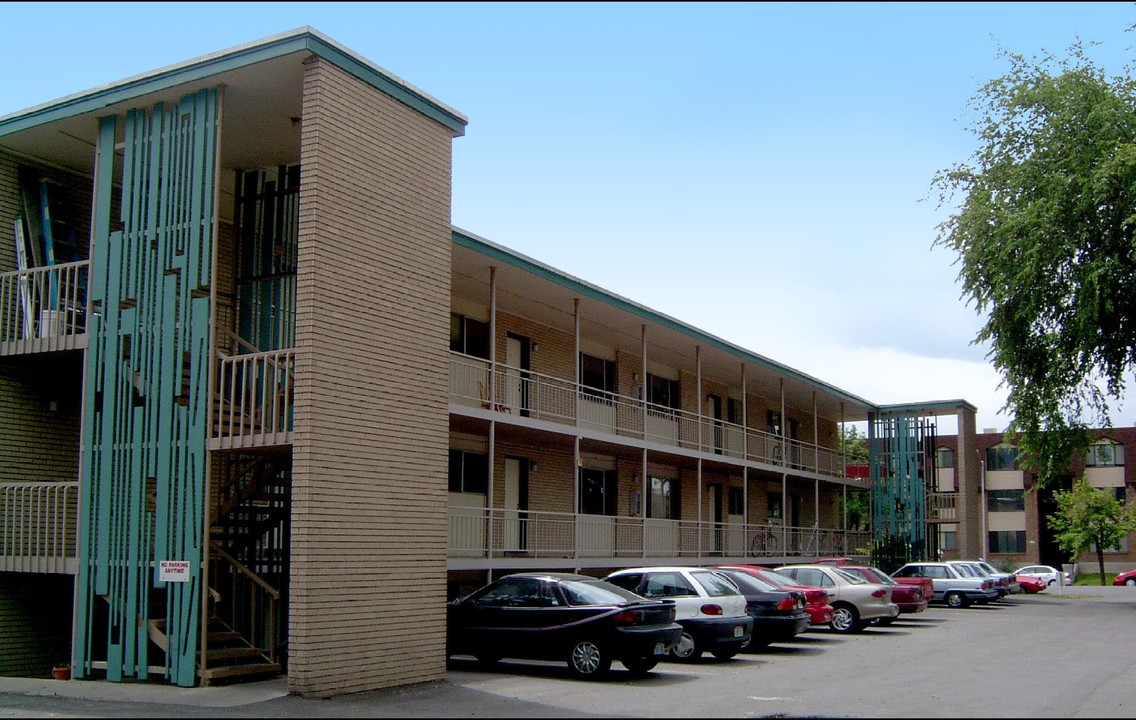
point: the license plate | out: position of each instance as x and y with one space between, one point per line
660 648
738 631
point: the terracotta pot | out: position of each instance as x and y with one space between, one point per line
62 672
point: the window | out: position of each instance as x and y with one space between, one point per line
945 458
663 499
773 502
1105 454
469 336
597 492
948 540
773 422
1007 541
597 376
1005 500
469 472
1121 547
736 501
1002 458
734 411
662 391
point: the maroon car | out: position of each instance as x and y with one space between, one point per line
816 599
910 598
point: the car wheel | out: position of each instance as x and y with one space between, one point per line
588 659
724 655
687 649
640 666
1051 581
845 619
1130 581
956 600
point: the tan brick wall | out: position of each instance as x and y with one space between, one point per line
40 396
369 521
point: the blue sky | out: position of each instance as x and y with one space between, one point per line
759 170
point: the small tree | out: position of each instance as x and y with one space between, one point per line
1088 516
855 448
853 445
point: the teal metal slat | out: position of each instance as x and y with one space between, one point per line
144 454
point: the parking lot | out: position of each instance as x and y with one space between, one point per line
1044 655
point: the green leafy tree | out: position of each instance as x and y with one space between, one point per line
853 445
858 507
1089 517
1044 240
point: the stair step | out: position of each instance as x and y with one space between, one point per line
222 636
228 671
232 653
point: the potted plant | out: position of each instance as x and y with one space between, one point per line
61 671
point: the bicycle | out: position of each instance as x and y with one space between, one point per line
764 543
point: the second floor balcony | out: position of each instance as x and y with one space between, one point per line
513 393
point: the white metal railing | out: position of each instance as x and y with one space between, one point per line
255 394
41 307
485 534
37 526
544 397
942 506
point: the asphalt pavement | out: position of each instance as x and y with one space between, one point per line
527 692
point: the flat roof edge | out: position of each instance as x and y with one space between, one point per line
299 40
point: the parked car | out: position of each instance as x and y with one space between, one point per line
1128 577
554 616
952 586
816 599
778 614
969 567
1047 573
711 610
1011 578
855 601
1031 584
909 597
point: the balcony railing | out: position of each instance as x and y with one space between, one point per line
942 507
543 397
255 400
486 534
37 527
43 309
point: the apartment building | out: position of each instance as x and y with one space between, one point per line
235 443
1012 523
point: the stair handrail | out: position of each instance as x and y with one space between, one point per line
252 632
215 548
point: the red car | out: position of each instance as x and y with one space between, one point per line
816 599
1128 577
909 598
1031 584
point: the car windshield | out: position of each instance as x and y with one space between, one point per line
778 579
885 579
595 592
854 579
748 583
715 585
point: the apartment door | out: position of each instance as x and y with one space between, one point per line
714 410
517 357
516 504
